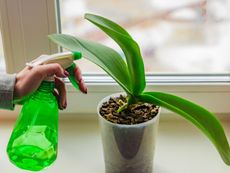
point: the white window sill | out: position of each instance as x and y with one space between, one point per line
180 148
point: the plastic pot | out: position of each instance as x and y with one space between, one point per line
128 148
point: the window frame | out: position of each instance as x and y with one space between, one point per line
29 40
33 21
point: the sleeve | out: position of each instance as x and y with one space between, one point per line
7 82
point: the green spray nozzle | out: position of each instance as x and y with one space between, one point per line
77 55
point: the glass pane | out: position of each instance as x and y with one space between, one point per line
186 36
2 62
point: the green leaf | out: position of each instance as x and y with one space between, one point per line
129 47
199 116
106 58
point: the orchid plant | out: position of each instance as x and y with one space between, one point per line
130 75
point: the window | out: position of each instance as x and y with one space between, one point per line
186 28
2 62
190 36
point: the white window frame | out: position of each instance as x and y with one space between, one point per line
25 25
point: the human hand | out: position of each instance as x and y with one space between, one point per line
29 79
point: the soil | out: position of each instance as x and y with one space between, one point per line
134 114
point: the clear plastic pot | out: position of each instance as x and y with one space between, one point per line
128 148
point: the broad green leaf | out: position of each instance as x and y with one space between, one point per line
129 47
199 116
106 58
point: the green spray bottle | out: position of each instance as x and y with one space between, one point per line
33 142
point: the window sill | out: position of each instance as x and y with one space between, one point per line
180 148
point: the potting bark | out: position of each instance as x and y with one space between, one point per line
133 114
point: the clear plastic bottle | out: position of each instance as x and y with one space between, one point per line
33 142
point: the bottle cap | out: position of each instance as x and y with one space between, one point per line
77 55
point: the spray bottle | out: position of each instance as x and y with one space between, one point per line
33 142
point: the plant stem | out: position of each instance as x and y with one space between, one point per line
122 107
132 99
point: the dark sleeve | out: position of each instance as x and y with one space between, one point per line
7 82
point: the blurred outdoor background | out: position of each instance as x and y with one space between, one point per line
186 36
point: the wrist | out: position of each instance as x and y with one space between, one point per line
15 91
6 91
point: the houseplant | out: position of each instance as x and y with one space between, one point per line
130 75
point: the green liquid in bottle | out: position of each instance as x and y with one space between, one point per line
33 143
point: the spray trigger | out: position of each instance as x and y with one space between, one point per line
72 76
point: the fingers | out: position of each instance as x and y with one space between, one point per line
29 79
78 77
60 93
56 94
52 69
